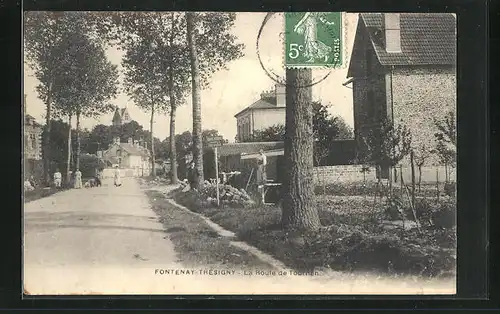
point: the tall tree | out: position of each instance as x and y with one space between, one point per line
43 33
90 81
156 47
298 211
211 48
69 153
191 20
141 83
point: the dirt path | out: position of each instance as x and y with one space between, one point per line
100 240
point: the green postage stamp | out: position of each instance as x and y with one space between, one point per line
314 39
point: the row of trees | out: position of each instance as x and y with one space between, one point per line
66 50
76 80
158 72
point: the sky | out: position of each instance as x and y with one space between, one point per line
230 90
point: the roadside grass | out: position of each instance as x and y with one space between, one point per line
39 193
195 242
352 239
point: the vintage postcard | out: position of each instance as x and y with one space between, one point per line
181 153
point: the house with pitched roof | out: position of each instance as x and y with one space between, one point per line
131 155
267 111
403 68
121 116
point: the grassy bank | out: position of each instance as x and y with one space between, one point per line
195 242
354 237
39 193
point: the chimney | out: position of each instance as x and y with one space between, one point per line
392 32
280 91
130 141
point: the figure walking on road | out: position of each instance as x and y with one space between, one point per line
261 173
118 180
78 179
57 179
193 176
97 177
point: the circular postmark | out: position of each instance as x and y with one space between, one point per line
272 74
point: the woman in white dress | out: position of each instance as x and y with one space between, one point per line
314 49
118 181
78 179
57 178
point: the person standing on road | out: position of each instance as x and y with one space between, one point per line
57 179
97 177
261 173
118 180
193 176
78 179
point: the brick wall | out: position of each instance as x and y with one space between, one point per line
419 95
353 174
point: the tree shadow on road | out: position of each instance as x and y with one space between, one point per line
53 226
68 215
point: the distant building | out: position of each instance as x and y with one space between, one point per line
32 146
121 116
131 155
269 110
32 138
402 68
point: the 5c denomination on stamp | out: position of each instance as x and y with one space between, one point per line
313 39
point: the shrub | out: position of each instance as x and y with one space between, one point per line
89 164
394 207
228 195
441 215
450 188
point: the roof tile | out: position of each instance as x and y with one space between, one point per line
426 38
248 148
259 104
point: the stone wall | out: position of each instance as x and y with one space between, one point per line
353 174
125 172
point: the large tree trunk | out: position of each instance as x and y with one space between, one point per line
78 149
153 161
298 209
68 160
419 178
195 76
173 110
46 151
173 152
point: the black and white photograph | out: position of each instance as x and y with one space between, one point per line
242 153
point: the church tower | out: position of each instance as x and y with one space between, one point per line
121 116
